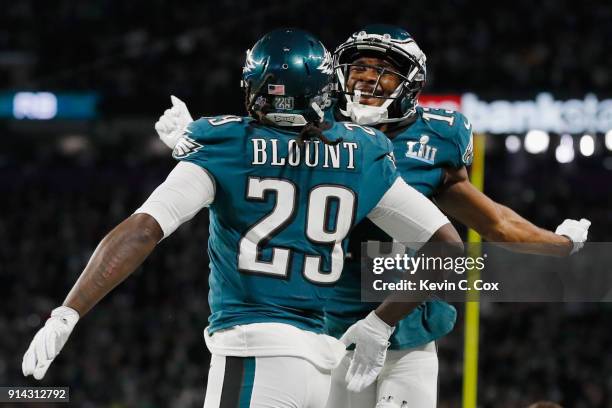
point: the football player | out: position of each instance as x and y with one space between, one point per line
381 71
284 189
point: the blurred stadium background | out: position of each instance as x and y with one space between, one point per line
81 84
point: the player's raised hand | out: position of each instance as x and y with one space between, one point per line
48 342
371 339
172 123
576 231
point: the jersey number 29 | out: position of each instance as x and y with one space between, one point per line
317 231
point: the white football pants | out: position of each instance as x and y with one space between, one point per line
409 379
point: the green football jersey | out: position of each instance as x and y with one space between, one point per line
282 213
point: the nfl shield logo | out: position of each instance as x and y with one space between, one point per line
276 89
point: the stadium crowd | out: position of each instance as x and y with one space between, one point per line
134 52
143 346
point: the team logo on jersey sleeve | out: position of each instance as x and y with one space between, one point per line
421 150
468 155
391 158
185 147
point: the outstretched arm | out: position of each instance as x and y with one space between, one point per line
115 258
498 223
187 190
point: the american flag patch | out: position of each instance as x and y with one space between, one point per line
276 89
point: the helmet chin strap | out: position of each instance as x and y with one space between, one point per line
366 114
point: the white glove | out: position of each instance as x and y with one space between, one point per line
171 125
49 341
371 339
576 231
